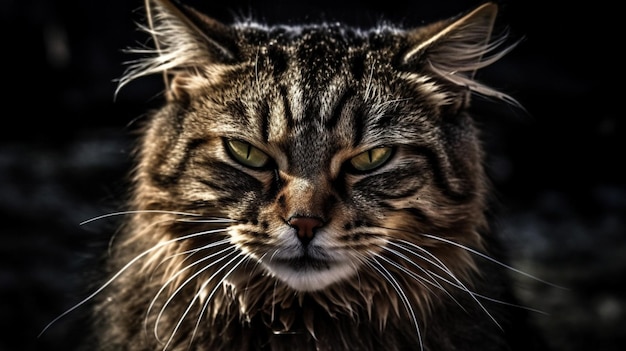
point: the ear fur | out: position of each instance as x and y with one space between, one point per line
186 44
455 49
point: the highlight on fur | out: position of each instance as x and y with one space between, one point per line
310 187
454 52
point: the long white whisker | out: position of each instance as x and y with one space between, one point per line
445 269
427 272
244 258
256 73
439 264
197 296
478 253
123 269
210 220
191 252
181 271
461 285
396 286
415 276
274 300
369 82
122 213
183 284
276 252
251 274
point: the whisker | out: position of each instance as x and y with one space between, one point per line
256 73
122 270
415 276
439 264
197 295
478 253
274 299
442 266
211 220
460 286
447 270
427 272
369 82
187 281
510 304
396 286
252 273
181 271
274 253
191 252
244 258
122 213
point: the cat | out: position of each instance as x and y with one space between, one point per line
311 187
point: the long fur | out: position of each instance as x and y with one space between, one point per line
299 249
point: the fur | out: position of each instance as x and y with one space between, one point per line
313 187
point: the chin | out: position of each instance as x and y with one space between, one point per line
310 275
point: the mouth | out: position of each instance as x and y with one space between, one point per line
307 273
304 263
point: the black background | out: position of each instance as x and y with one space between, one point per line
65 150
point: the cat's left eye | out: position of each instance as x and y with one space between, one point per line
371 159
247 154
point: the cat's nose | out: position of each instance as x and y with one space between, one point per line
305 227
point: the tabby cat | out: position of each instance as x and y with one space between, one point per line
311 187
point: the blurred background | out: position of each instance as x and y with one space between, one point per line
66 143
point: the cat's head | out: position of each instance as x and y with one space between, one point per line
339 153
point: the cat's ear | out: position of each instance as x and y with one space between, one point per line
455 48
187 46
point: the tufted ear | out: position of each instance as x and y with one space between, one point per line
455 48
186 45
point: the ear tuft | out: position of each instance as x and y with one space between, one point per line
186 42
455 49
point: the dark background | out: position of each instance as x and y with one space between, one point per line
65 150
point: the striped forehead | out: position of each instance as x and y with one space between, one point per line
309 86
314 92
312 126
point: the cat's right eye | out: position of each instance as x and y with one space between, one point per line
371 159
247 154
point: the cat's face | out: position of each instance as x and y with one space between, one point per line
334 151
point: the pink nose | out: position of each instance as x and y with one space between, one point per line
305 226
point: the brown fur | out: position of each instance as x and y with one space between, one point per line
215 259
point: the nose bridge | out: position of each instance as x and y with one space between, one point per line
307 197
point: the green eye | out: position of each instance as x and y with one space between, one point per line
247 154
371 159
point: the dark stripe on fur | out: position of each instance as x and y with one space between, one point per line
402 181
287 107
237 109
339 108
278 60
166 175
264 112
440 178
357 66
417 214
358 125
233 182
